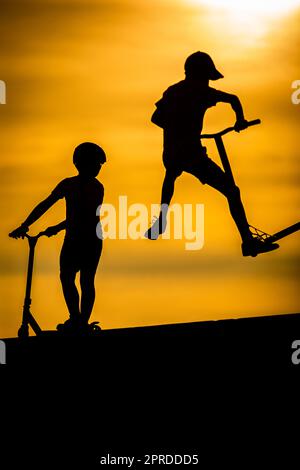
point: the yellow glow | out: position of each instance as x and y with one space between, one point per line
96 77
249 19
252 6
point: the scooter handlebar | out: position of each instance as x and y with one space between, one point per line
31 237
254 122
229 129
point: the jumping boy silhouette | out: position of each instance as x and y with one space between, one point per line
180 113
82 248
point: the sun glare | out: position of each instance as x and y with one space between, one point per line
268 7
247 19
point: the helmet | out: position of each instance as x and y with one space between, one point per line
200 65
87 151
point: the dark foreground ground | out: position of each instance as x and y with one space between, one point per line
263 343
227 391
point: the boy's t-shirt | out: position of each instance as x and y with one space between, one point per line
184 104
181 111
83 198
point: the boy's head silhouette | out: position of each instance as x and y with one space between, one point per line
88 159
200 66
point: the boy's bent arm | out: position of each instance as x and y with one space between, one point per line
54 229
39 210
61 226
236 105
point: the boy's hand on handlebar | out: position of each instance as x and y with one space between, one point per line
19 232
50 231
241 125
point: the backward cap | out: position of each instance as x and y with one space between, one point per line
200 64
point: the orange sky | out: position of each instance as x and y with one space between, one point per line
80 70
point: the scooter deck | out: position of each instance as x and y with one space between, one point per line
285 232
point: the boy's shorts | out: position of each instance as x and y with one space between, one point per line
196 163
78 255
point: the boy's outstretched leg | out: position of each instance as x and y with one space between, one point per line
71 296
159 226
217 179
251 246
70 292
87 284
68 270
90 255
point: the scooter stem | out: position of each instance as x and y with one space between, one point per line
224 158
28 319
32 242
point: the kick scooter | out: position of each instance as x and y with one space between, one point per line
227 168
28 319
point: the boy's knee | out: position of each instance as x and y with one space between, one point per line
67 276
233 192
172 174
236 191
87 280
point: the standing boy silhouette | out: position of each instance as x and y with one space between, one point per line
82 248
180 113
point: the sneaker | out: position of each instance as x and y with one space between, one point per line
256 246
69 327
158 227
94 328
90 329
78 327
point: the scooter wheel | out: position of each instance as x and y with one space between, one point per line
94 328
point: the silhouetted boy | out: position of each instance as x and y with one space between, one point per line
180 113
82 248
